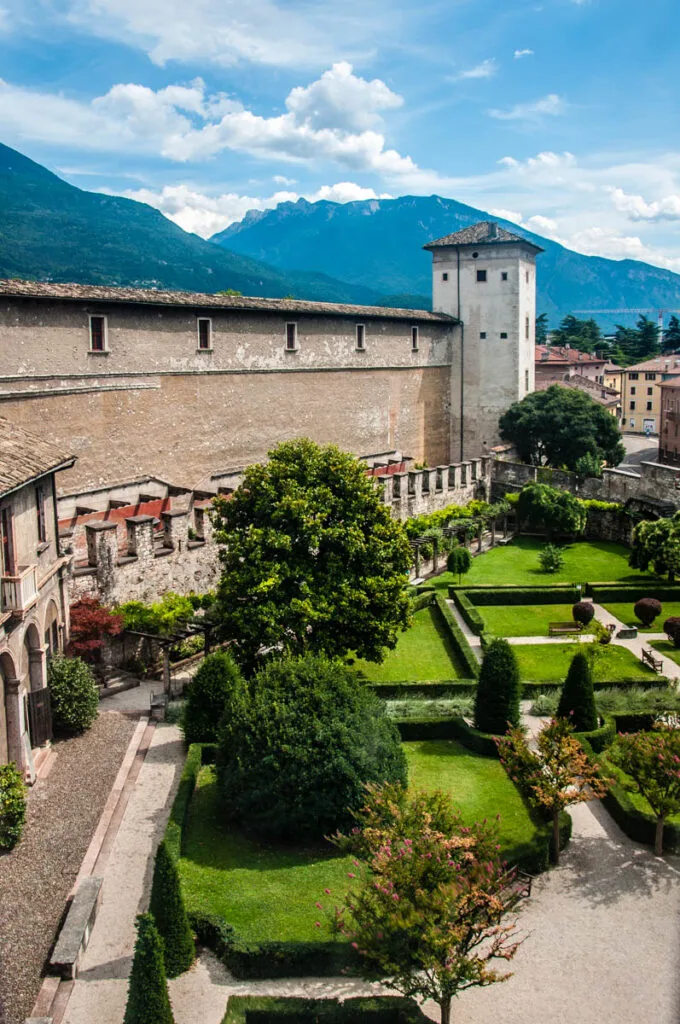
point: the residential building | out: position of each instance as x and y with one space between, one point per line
33 598
607 397
669 421
613 377
640 396
557 362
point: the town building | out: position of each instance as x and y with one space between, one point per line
613 377
559 362
669 421
604 396
183 387
34 595
641 397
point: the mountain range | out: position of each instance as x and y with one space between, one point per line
368 252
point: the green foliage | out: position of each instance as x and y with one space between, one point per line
465 652
589 465
419 526
188 647
12 805
635 344
541 329
558 426
311 558
652 759
671 336
148 1001
459 562
657 544
583 612
288 1010
162 617
498 690
170 916
577 701
583 335
647 609
551 558
298 746
545 508
211 691
74 694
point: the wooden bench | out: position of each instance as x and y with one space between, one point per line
515 885
563 628
648 658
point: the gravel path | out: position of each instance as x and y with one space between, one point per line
37 876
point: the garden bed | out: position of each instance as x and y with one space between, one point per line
288 1010
424 652
624 612
523 619
538 662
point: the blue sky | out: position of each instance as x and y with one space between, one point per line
561 114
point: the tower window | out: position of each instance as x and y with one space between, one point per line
504 275
445 276
482 335
527 276
414 339
97 334
504 334
40 512
526 380
361 338
291 338
526 327
481 275
204 325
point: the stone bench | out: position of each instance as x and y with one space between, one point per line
77 928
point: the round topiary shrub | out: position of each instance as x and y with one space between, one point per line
671 628
74 693
459 561
302 738
647 609
577 700
12 806
209 694
583 612
498 689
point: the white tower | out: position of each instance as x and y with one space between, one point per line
486 277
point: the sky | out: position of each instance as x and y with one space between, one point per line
560 115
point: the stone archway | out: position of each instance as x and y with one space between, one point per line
11 747
51 630
34 659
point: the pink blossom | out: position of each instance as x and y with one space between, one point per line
355 945
327 891
350 874
317 924
318 906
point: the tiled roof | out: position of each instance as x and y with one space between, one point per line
487 232
607 397
149 296
560 354
662 364
25 456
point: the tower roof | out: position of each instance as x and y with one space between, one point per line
486 232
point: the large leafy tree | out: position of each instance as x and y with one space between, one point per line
558 426
311 558
657 544
427 914
584 335
633 344
671 336
652 759
541 507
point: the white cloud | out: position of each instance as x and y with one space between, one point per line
603 242
339 99
548 106
541 225
512 215
487 69
523 53
280 179
637 208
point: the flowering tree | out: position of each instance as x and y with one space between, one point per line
426 915
558 773
652 759
91 621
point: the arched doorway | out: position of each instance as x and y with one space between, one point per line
11 748
37 700
51 631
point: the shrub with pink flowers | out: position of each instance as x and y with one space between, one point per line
652 759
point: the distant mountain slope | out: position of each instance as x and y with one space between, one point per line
377 243
50 230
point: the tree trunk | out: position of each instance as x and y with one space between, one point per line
658 838
445 1007
556 838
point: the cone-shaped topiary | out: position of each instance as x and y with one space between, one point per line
208 696
498 689
167 907
647 609
148 999
577 701
583 612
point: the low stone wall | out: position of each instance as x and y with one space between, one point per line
420 491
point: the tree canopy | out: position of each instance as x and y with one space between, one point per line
671 336
541 507
584 335
657 544
558 426
634 344
311 558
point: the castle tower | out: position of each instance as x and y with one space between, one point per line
486 277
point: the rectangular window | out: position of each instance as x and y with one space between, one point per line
414 339
632 376
291 337
481 275
650 376
482 335
526 380
204 333
649 406
632 406
526 327
504 334
445 276
650 391
40 513
97 334
361 337
632 391
632 423
504 275
527 276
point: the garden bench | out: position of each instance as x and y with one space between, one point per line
515 885
563 628
627 634
77 928
649 659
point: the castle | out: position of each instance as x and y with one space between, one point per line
190 387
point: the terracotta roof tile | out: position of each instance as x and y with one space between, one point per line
25 456
561 354
486 232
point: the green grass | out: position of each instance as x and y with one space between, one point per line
524 619
639 802
423 652
551 661
624 612
666 648
517 564
269 892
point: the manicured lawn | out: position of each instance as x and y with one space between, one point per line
517 564
423 652
551 661
524 619
625 613
666 648
270 892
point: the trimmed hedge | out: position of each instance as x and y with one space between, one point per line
489 596
180 807
612 593
422 599
530 687
601 737
270 1009
467 609
437 688
463 649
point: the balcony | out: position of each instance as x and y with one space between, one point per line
20 592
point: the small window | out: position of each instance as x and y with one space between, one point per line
482 335
632 406
526 327
361 338
445 276
40 512
204 333
475 255
414 339
481 275
504 275
632 391
526 380
649 406
650 391
650 376
632 423
291 337
527 277
97 334
504 334
632 376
